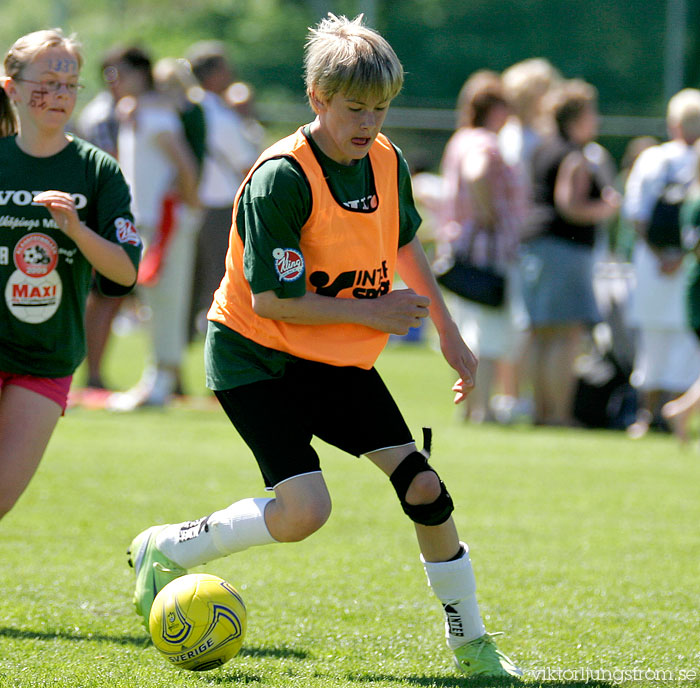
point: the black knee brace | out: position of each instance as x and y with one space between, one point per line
432 514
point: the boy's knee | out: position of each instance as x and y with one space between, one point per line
422 494
305 520
424 488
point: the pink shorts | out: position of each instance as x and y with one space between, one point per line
54 388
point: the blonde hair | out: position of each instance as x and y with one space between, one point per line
23 52
684 111
174 78
526 83
345 56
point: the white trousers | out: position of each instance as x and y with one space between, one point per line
169 299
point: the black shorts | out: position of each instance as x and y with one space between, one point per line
349 408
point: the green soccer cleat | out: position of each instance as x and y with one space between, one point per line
153 570
481 657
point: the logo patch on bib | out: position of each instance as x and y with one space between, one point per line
289 264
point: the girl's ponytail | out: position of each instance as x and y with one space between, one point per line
8 121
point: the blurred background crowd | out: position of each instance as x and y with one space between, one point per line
591 248
596 326
183 132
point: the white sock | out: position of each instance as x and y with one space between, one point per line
454 585
233 529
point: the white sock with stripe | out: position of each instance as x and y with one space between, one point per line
233 529
454 585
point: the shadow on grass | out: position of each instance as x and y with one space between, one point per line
572 684
241 676
142 641
476 682
23 634
275 652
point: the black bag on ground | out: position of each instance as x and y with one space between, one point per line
480 284
603 396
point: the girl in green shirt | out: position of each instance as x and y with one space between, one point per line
65 210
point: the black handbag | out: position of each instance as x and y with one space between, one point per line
664 229
475 283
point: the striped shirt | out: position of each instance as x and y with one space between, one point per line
460 230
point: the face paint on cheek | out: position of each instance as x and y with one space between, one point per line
38 99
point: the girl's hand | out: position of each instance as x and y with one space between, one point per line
62 208
109 259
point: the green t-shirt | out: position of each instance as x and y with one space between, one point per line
272 209
195 128
43 276
690 221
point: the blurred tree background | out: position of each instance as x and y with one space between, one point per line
636 52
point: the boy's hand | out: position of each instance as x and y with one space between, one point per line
398 311
462 359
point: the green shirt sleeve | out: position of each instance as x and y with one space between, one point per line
690 212
195 128
113 220
409 218
274 206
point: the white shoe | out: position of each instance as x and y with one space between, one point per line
508 410
154 389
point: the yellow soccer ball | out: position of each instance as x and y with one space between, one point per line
198 622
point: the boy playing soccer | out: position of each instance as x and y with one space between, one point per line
321 224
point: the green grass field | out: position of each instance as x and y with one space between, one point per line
585 546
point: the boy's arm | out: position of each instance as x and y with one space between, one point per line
394 312
415 271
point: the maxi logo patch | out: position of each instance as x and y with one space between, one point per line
289 264
33 292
